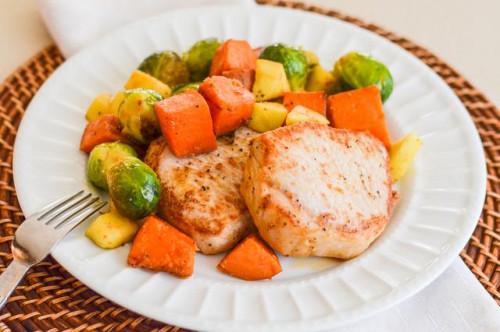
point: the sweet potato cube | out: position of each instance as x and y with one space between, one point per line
251 259
230 103
107 128
233 54
245 76
315 101
359 110
159 246
186 124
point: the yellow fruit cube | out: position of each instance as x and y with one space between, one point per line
267 116
116 102
402 154
139 79
98 107
270 80
111 230
303 114
319 79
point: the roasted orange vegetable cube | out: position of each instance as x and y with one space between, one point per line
233 54
315 100
159 246
230 103
359 110
186 124
105 129
245 76
251 259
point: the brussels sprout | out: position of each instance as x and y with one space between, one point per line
166 66
355 70
294 61
102 157
134 188
137 116
184 87
199 58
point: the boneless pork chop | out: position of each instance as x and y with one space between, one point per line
200 195
313 190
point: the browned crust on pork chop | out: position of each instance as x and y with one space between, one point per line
200 195
313 190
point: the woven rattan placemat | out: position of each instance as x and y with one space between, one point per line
50 299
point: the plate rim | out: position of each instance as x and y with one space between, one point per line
434 269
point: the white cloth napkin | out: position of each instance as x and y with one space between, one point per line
455 302
74 24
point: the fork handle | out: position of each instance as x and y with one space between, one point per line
10 278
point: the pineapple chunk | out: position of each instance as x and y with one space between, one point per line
319 79
98 107
401 155
140 79
312 58
111 230
270 80
116 102
267 116
303 114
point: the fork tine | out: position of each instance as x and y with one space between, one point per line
57 204
74 212
66 208
76 218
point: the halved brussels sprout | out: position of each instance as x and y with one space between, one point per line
134 188
355 70
166 66
184 87
137 116
294 61
199 58
102 157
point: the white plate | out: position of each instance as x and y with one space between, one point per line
441 198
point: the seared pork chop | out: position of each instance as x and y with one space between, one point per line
313 190
200 195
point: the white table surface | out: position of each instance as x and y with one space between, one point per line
464 33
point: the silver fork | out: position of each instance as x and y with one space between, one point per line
39 233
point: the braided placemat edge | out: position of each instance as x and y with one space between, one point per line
50 299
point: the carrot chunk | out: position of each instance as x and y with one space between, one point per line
245 76
106 128
359 110
159 246
233 54
315 100
186 124
230 103
251 259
